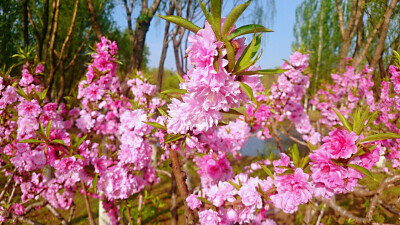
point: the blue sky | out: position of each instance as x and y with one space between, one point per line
277 45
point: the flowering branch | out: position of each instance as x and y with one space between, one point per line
180 181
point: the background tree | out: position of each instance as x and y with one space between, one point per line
363 30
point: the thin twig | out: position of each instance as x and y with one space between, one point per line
320 214
56 214
91 219
7 184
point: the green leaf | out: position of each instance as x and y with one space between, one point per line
162 112
31 141
249 52
261 72
265 168
209 18
376 137
48 127
233 111
231 55
94 183
180 78
178 91
79 142
248 29
372 118
41 130
173 138
247 90
181 22
184 145
343 120
233 17
216 16
44 93
235 185
311 146
59 141
156 125
78 156
362 170
204 200
295 155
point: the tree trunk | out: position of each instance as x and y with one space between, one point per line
93 18
25 22
164 49
385 27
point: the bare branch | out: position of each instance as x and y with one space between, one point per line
56 214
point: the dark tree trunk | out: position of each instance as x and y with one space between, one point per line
93 18
382 36
25 22
164 49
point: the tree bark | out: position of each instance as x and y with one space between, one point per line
164 49
180 181
385 27
25 22
347 34
93 18
142 26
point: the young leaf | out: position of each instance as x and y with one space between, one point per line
249 52
247 90
233 111
233 17
343 120
376 137
178 91
216 16
362 170
59 141
261 72
209 19
182 22
237 186
31 141
180 78
311 146
173 138
162 112
48 127
267 171
78 156
156 125
94 183
231 55
248 29
295 155
204 200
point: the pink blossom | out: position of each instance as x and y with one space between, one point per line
209 217
293 190
193 202
340 144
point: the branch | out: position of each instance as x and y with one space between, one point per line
56 214
79 49
180 181
293 138
332 204
22 219
93 18
341 23
34 206
367 45
90 215
7 184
